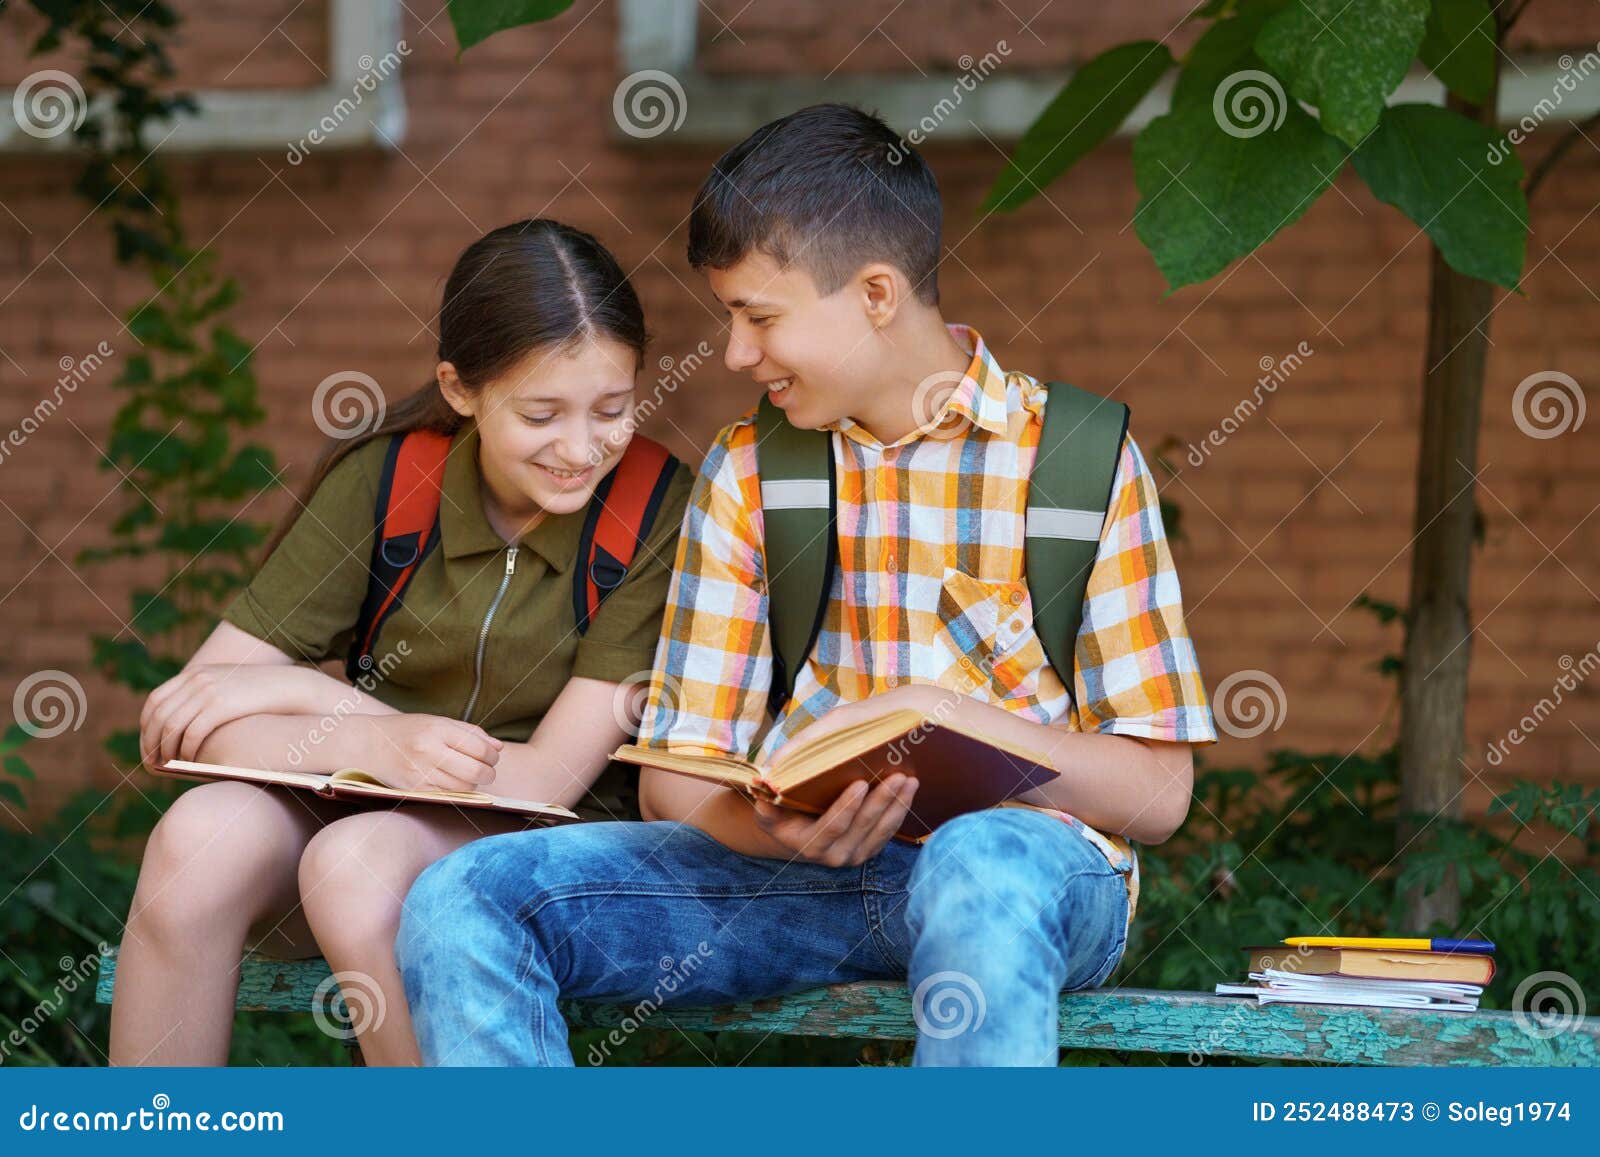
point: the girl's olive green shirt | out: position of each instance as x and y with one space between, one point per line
459 646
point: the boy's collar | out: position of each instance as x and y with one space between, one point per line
979 399
465 528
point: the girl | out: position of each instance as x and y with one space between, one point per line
497 668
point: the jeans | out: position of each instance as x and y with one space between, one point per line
988 921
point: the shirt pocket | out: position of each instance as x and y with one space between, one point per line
985 643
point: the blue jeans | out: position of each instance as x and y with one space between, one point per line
989 921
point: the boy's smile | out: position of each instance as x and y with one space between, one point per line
861 352
810 353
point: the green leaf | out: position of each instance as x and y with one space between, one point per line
1344 56
123 746
154 613
233 350
1386 612
151 325
226 295
130 664
18 767
1210 194
15 737
207 535
12 792
1224 49
477 20
1458 181
250 470
1458 47
1084 113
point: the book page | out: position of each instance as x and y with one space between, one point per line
717 768
189 769
810 758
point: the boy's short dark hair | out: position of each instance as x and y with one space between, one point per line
826 189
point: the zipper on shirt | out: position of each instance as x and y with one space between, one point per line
483 633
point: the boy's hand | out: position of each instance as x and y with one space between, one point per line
850 832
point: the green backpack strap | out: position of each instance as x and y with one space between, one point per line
1068 496
802 548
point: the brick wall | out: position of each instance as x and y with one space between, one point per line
1305 507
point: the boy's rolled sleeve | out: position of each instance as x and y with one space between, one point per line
1137 673
713 667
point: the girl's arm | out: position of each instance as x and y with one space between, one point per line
558 763
240 700
234 675
421 752
571 746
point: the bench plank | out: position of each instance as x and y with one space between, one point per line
1134 1019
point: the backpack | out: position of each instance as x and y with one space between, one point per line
1068 494
406 517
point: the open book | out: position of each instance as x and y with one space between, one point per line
355 784
957 770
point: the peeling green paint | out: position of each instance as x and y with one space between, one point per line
1139 1020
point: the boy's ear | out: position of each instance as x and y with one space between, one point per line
883 290
460 398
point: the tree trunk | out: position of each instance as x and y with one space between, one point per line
1438 647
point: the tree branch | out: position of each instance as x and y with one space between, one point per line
1550 159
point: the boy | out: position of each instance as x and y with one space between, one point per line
823 248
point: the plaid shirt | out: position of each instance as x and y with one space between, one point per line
929 589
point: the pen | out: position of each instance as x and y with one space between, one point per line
1398 943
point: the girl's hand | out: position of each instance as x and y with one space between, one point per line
431 752
180 714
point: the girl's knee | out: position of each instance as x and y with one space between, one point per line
207 854
201 821
353 875
362 854
210 828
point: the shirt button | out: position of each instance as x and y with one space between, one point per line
1016 625
1016 598
893 681
893 567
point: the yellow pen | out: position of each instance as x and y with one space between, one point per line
1398 943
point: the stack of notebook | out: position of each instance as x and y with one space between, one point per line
1378 972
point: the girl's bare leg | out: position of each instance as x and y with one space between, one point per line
354 876
223 859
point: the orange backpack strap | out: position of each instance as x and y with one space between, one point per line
623 509
406 528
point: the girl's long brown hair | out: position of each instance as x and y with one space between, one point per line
532 285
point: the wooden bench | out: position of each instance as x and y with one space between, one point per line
1142 1020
